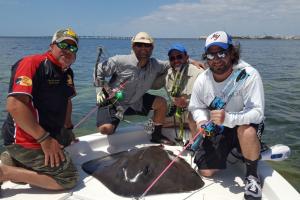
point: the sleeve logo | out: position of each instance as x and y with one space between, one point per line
24 81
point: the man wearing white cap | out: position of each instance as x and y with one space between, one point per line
238 109
39 106
134 74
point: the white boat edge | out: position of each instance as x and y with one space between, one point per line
226 185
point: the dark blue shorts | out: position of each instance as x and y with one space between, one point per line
213 151
106 114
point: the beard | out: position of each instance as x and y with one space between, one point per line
220 70
178 67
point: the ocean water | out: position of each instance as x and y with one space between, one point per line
277 61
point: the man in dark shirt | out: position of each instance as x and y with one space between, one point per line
39 106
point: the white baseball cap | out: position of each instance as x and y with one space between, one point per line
142 37
219 38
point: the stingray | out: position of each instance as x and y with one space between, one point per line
129 173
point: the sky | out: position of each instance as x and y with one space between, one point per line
160 18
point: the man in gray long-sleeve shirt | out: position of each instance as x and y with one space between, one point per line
134 75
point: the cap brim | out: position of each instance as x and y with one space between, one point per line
66 38
142 41
219 44
174 49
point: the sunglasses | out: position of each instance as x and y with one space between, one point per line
177 57
70 47
220 55
140 45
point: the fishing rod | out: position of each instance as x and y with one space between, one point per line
96 83
171 112
86 117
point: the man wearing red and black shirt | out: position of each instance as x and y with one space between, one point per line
39 106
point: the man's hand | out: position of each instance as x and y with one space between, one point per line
180 102
53 152
120 112
67 136
217 116
100 95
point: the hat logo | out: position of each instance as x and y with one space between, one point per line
215 36
70 32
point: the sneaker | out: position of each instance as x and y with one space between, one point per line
161 139
252 188
6 159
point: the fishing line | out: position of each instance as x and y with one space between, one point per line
170 164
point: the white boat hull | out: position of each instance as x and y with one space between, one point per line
228 184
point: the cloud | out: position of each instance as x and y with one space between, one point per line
255 17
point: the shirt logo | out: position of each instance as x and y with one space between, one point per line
24 81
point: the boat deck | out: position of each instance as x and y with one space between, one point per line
226 185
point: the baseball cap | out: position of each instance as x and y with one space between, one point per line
142 37
219 38
178 47
65 34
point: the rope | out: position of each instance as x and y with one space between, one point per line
86 117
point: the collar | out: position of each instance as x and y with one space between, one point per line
52 58
186 72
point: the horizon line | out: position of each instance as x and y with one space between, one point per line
199 37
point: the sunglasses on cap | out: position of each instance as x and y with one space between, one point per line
177 57
140 45
220 55
65 45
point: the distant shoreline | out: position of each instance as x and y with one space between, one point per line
266 37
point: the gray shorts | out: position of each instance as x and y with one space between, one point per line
106 114
65 175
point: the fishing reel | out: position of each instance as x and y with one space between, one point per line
174 110
217 104
212 129
119 95
179 112
110 96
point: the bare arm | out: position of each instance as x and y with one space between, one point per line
18 107
198 64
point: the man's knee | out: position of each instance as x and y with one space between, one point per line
159 103
246 131
106 129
